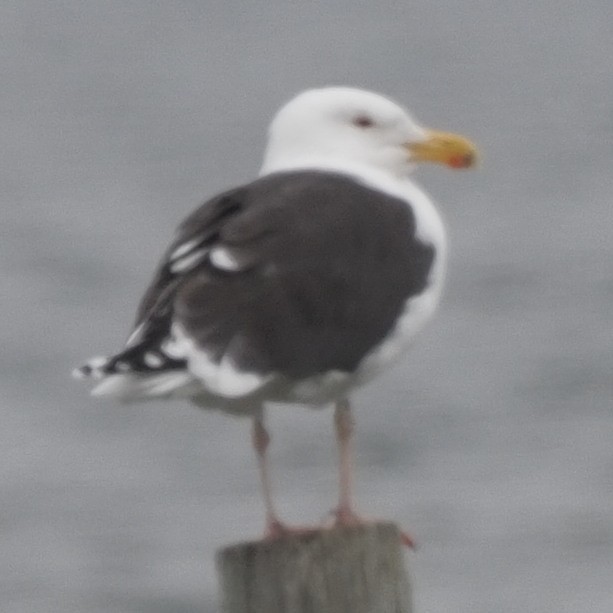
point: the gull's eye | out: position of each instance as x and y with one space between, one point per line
363 121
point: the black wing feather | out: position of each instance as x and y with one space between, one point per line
322 269
326 267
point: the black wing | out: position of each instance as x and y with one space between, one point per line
297 273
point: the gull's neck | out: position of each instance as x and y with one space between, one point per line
360 170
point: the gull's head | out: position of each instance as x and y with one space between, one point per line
340 126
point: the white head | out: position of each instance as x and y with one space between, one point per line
341 126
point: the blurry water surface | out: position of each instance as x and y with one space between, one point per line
492 442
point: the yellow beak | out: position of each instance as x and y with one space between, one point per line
444 148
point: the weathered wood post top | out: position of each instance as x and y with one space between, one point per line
343 570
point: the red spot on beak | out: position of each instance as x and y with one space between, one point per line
461 161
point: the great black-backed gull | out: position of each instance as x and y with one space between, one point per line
301 285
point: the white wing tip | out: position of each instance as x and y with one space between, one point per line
129 387
92 369
78 373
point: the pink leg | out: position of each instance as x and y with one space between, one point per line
345 515
261 440
343 421
274 527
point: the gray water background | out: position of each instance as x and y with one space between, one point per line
492 441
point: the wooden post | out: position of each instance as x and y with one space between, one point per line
343 570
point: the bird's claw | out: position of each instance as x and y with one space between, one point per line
346 517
